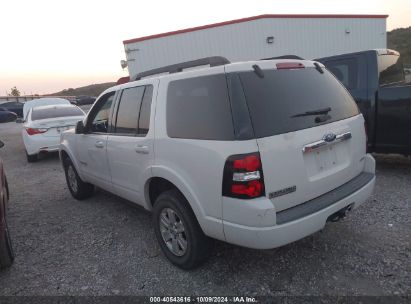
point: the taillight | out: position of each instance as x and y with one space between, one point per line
34 131
243 176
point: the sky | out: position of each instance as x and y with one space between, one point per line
50 45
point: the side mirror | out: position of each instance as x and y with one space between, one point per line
19 120
80 129
1 144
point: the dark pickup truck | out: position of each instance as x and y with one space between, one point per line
376 80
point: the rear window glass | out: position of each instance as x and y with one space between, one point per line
391 69
277 101
199 108
55 112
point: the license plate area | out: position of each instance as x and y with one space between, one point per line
326 160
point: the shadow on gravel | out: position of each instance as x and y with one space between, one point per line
48 157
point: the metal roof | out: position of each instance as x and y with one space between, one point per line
267 16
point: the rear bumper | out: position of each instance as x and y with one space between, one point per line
302 221
35 145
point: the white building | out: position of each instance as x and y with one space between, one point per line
265 36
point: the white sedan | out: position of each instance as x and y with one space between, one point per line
43 126
46 101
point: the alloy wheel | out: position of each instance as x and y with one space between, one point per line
173 232
72 178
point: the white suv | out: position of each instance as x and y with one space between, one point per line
257 154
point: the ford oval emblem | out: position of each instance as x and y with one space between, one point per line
329 137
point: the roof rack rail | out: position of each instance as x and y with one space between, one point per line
284 57
178 67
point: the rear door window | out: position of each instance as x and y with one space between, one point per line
145 111
277 101
128 110
346 71
199 108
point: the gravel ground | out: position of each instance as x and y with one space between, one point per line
105 246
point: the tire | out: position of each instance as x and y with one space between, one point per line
7 195
175 225
6 249
32 158
79 190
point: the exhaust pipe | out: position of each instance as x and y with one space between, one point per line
339 215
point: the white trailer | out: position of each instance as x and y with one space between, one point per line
265 36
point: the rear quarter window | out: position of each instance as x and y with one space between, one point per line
199 108
275 100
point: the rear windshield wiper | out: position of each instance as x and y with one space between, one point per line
316 112
259 72
318 67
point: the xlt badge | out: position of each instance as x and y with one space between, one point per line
282 192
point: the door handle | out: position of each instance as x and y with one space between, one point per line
141 149
99 144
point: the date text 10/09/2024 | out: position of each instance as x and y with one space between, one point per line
207 299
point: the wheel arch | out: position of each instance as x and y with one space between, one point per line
164 179
64 153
